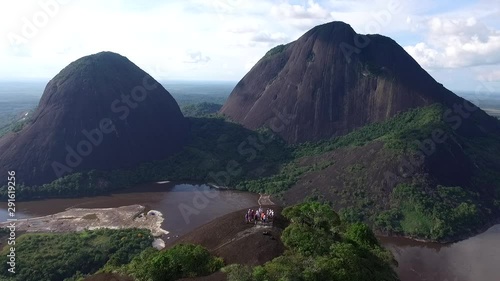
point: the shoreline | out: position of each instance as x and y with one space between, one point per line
264 199
81 219
220 187
451 240
443 242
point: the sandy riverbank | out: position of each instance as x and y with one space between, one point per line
79 219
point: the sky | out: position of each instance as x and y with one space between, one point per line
457 42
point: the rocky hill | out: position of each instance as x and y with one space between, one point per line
100 112
331 81
373 133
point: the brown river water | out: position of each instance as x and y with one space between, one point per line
188 206
184 206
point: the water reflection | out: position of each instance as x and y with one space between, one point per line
474 259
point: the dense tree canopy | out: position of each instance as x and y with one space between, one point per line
58 257
321 247
180 261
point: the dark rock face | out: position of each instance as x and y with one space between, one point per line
330 82
100 112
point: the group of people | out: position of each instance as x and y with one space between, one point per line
259 215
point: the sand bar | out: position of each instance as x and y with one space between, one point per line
79 219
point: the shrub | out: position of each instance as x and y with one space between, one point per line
60 256
180 261
321 247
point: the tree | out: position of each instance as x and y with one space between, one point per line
321 247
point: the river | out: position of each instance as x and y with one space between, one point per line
474 259
184 206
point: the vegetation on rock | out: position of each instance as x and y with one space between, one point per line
180 261
276 50
227 154
322 247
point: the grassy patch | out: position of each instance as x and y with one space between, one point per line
90 217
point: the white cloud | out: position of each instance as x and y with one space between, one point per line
223 6
303 16
196 57
191 39
269 37
455 43
312 10
240 29
425 55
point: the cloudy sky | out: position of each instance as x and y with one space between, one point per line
457 41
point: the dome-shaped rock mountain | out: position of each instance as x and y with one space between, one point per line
331 81
100 112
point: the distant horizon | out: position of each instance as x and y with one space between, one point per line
456 42
32 90
496 94
46 80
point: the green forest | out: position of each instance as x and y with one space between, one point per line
224 153
70 256
320 246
